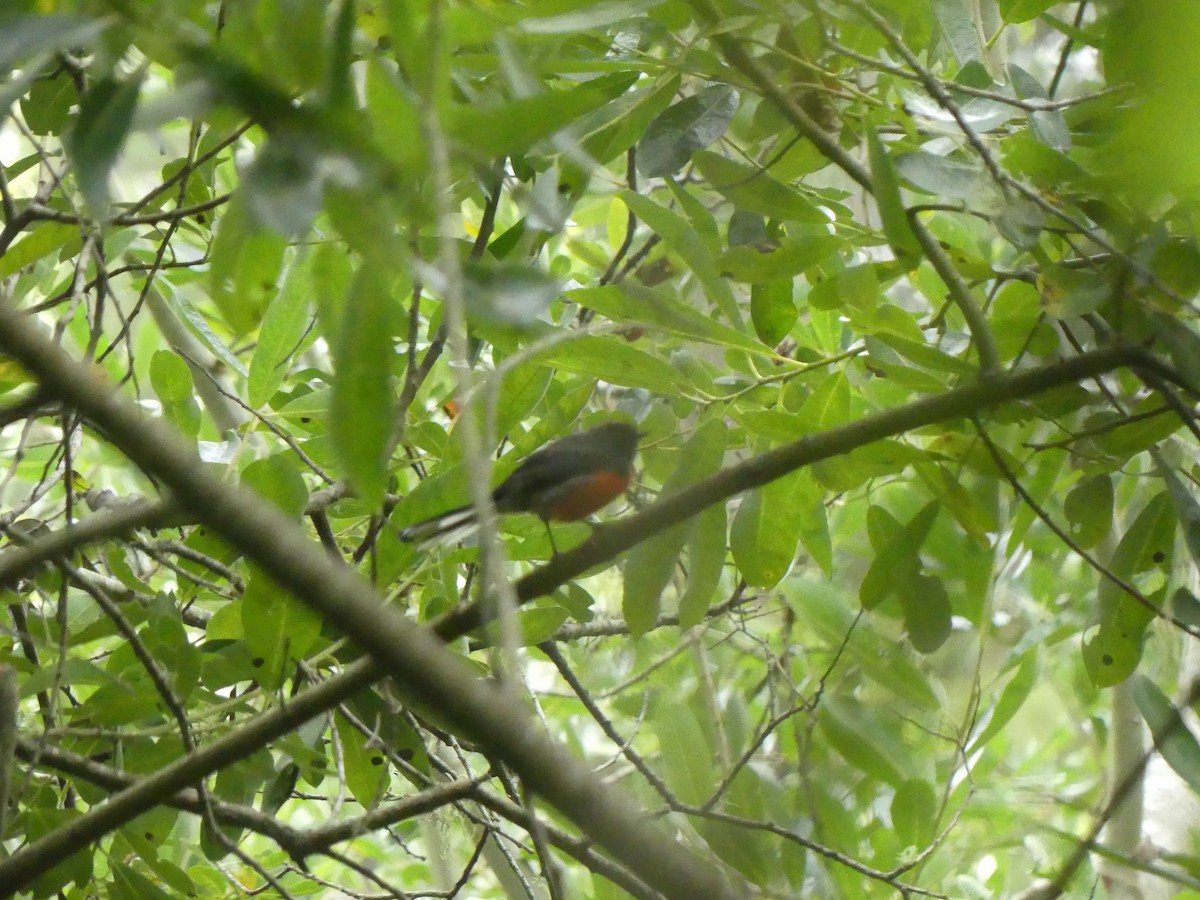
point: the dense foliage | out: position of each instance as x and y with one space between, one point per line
902 296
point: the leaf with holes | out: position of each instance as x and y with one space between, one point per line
1113 649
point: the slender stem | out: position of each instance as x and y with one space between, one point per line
496 589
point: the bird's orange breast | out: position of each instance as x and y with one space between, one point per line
587 495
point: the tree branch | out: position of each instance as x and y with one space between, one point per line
413 656
610 540
298 844
19 561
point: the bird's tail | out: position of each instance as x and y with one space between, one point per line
446 528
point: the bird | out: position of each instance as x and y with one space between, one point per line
564 481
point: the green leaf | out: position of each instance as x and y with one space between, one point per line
1088 507
167 641
886 185
651 565
790 258
38 243
856 289
1187 510
130 882
681 237
276 479
927 611
360 421
897 552
366 766
773 311
1017 322
1112 651
28 36
922 354
1012 698
680 130
521 390
958 26
226 624
751 189
1048 125
395 118
507 293
591 16
74 671
183 307
1147 544
915 812
1067 293
245 267
622 122
814 523
1172 737
1023 10
47 104
562 417
706 562
1039 487
942 176
974 514
859 737
165 872
513 126
746 228
1182 344
826 407
539 622
241 782
610 360
634 303
105 114
1150 426
1186 607
766 531
172 381
287 318
875 460
748 851
40 821
683 748
278 628
884 660
170 377
697 214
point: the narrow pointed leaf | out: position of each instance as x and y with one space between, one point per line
651 565
363 404
680 130
1172 737
891 207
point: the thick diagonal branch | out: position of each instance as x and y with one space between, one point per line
413 656
611 540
